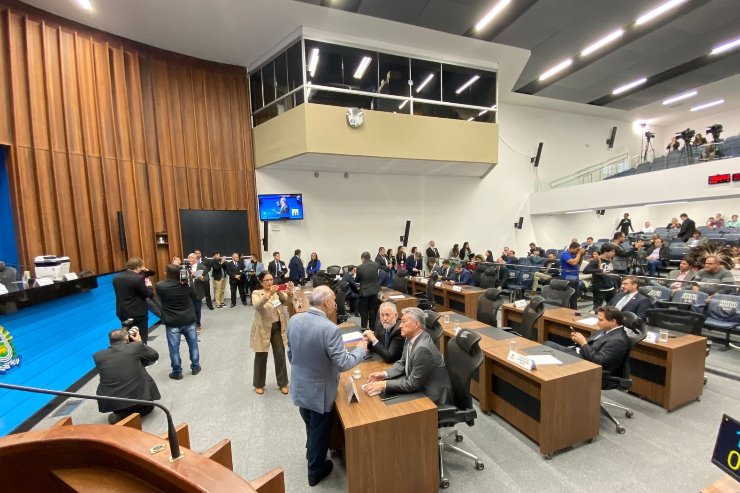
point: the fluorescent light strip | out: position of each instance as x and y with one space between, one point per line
631 85
471 118
708 105
725 47
467 84
667 203
491 14
579 212
426 81
648 16
400 106
362 67
313 61
483 112
681 97
602 42
85 4
557 68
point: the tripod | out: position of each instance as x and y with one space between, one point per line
647 147
688 150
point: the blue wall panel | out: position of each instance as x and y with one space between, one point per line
56 341
8 249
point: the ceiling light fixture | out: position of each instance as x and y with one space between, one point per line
400 106
362 67
426 81
680 97
313 61
471 118
631 85
483 112
667 203
467 84
85 4
602 42
652 14
725 47
708 105
580 212
557 68
491 14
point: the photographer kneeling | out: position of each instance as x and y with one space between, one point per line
122 374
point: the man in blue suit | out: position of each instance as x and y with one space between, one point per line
317 354
297 272
462 276
385 279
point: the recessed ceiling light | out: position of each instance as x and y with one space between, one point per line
400 106
471 118
681 97
467 84
313 61
85 4
661 9
364 64
708 105
667 203
425 82
483 112
602 42
580 212
726 47
631 85
491 14
557 68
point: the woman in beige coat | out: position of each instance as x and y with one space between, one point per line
270 324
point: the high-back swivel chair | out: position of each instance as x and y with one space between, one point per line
488 307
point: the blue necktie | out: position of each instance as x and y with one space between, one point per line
387 338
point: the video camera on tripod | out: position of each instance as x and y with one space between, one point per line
715 130
686 135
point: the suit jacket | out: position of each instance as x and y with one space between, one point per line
412 264
382 261
384 279
463 278
297 272
639 304
199 282
277 271
367 277
131 295
234 270
347 277
393 351
427 372
444 272
317 354
432 252
673 275
688 227
663 254
608 349
177 303
122 374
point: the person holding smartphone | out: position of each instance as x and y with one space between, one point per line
269 329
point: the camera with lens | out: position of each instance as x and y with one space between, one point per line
686 135
715 130
132 329
649 135
185 272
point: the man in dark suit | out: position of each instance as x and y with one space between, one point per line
132 291
277 269
367 278
354 291
385 279
297 272
122 374
462 276
629 299
444 271
386 340
235 270
205 266
688 227
198 281
609 347
382 259
421 367
432 255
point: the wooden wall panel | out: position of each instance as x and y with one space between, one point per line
97 124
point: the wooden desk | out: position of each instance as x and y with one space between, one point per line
387 447
446 298
401 303
300 304
669 374
725 484
557 406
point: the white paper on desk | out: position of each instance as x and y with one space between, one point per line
589 321
351 336
396 296
545 359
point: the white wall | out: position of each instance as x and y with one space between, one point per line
730 121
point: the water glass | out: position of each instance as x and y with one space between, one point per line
457 326
663 336
357 374
512 345
447 318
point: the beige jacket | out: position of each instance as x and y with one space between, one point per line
262 326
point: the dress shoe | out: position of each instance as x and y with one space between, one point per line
244 303
175 376
210 307
195 371
233 305
259 390
284 390
328 467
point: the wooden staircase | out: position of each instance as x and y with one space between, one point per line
120 458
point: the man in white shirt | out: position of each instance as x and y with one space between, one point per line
648 228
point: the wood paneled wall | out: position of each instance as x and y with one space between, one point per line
96 124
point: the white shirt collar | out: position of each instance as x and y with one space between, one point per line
413 339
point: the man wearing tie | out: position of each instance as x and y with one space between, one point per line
432 255
629 300
277 269
462 277
444 271
235 271
386 341
421 367
382 260
609 347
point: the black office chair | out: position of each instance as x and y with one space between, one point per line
488 307
320 279
477 273
636 331
532 313
432 325
464 358
490 277
558 293
333 271
342 290
427 302
685 321
401 282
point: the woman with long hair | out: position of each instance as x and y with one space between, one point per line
314 265
455 252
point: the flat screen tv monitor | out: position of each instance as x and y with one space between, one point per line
275 207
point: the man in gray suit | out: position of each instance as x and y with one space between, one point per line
317 354
421 368
367 278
